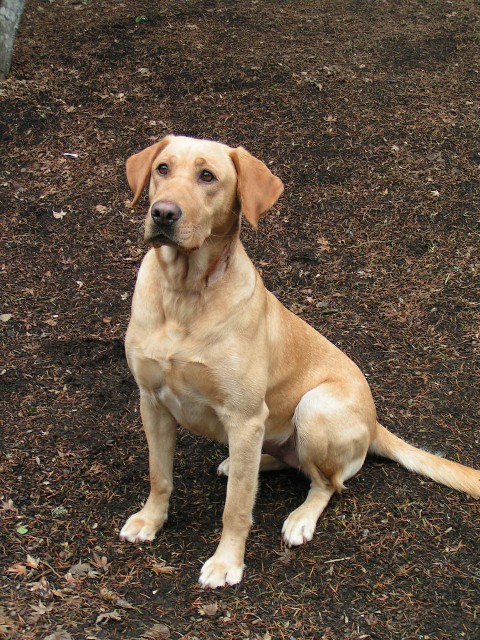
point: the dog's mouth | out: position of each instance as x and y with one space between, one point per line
157 240
161 239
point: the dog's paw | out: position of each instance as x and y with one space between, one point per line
141 528
223 468
220 572
298 528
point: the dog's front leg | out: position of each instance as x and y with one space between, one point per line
226 566
160 429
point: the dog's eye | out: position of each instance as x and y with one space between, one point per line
207 176
162 169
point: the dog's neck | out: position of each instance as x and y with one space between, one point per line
219 277
199 270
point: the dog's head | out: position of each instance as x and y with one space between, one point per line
197 189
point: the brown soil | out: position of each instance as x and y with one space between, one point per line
369 113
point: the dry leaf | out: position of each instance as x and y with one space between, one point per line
209 609
81 570
120 602
157 632
324 244
109 615
32 562
286 556
7 505
41 608
108 595
161 568
59 215
5 317
59 634
18 569
100 562
42 589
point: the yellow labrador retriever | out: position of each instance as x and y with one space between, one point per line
213 350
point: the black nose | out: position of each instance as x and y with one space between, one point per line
165 213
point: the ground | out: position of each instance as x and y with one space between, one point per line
369 113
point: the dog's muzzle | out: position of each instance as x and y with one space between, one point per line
165 213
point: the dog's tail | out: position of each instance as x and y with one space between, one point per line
452 474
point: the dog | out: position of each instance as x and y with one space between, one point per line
212 350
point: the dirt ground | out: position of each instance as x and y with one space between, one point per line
369 112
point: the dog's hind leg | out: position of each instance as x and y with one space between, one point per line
300 525
332 442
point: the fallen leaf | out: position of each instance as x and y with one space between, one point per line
101 562
18 569
81 570
32 562
43 589
8 505
5 317
120 602
22 529
100 208
157 632
324 244
51 322
107 616
162 568
59 634
286 556
41 608
371 619
209 609
108 595
59 215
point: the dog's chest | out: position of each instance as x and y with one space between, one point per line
172 365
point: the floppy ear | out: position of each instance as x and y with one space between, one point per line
257 188
139 167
